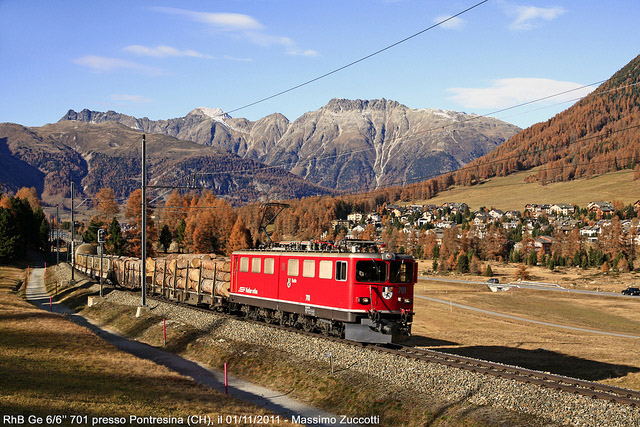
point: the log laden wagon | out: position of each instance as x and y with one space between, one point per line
193 279
349 290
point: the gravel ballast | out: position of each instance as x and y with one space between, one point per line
442 383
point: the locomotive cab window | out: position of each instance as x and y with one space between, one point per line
269 265
256 265
341 271
325 271
400 272
244 264
293 267
308 268
371 271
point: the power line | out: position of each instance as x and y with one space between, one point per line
356 61
432 129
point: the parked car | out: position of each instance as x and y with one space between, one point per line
631 291
493 280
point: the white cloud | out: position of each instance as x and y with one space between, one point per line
129 98
102 64
233 58
266 40
299 52
223 21
452 24
162 51
529 17
242 26
505 93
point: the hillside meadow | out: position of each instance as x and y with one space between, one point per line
512 193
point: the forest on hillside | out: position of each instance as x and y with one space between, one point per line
597 135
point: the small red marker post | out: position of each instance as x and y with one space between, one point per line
226 382
164 331
50 303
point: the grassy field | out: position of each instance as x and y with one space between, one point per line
49 366
512 193
603 358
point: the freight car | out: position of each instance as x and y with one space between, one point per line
350 290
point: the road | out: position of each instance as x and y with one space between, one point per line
523 319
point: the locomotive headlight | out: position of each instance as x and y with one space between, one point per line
407 300
364 300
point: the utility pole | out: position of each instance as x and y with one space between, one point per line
73 238
57 238
101 241
143 238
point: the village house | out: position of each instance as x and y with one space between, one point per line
482 218
374 217
590 232
341 223
601 208
455 207
444 224
512 214
509 225
543 242
537 209
496 214
563 209
355 217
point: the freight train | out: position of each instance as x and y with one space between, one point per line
349 290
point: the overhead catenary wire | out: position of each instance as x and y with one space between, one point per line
364 58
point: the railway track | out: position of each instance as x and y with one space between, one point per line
543 379
590 389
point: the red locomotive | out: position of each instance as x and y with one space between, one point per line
350 290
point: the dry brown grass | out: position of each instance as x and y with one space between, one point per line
511 192
574 353
49 365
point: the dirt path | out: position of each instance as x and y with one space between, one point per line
269 399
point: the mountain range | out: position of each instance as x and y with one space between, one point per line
345 145
109 155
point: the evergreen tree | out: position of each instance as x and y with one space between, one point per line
115 243
463 263
44 235
9 235
488 272
165 238
91 234
180 233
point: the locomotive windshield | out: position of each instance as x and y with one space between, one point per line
400 272
371 271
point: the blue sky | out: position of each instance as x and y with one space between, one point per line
161 59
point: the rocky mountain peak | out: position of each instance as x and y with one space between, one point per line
337 105
213 113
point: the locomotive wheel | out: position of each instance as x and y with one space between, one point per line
307 324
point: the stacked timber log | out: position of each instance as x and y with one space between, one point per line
206 274
127 271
